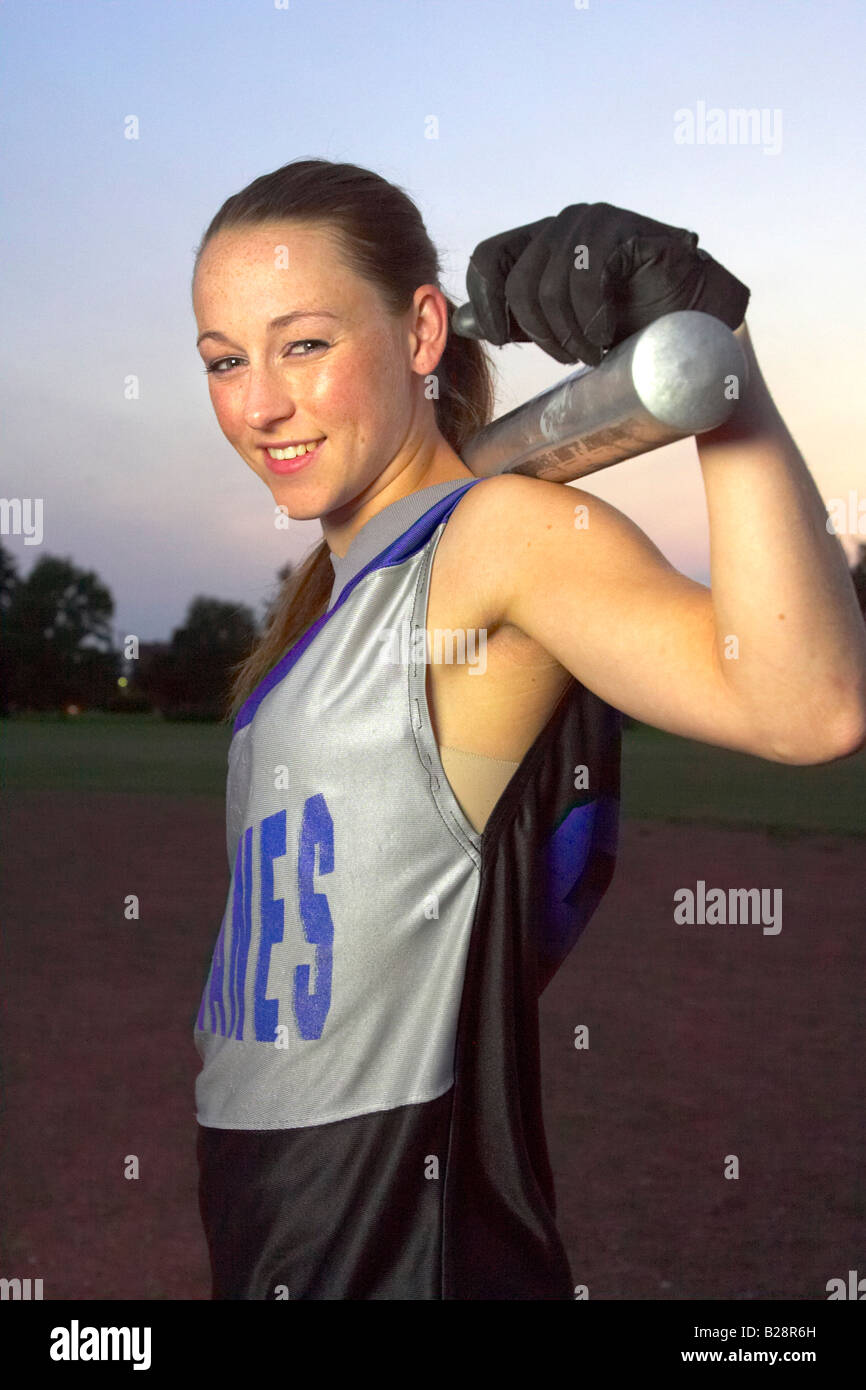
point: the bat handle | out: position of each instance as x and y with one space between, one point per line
466 325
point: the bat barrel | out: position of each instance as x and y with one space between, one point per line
673 379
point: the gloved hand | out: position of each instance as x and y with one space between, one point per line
579 283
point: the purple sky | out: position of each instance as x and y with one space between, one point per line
538 105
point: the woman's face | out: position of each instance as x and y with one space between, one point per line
343 369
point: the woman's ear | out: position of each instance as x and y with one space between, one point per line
429 328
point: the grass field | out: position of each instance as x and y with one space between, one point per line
664 778
706 1040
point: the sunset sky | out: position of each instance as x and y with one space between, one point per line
539 103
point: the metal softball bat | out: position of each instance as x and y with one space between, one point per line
679 376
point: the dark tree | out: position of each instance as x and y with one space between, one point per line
190 677
56 636
283 575
8 580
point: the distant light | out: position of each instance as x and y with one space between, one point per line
122 681
72 709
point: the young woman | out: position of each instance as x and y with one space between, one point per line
423 784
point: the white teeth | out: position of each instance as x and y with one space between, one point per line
291 453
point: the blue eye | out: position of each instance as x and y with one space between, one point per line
214 367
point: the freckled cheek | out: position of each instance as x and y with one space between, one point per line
349 396
229 413
330 395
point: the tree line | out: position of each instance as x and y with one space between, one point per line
58 649
58 652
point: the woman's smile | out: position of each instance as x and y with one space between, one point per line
291 458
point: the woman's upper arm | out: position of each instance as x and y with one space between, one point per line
589 586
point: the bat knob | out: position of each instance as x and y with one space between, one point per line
464 322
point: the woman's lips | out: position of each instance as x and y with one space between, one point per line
292 465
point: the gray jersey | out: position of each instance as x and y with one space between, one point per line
341 764
369 1107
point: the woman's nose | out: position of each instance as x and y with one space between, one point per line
267 399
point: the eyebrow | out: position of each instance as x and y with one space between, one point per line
282 321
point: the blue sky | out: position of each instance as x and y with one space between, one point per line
539 103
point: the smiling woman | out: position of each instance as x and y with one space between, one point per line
308 232
369 1106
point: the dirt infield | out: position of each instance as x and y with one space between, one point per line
705 1041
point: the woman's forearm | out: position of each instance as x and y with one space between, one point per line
791 637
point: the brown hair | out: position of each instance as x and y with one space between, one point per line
382 238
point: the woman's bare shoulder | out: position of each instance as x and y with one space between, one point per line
504 511
481 533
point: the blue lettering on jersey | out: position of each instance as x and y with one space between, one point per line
317 828
241 931
273 844
310 1008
